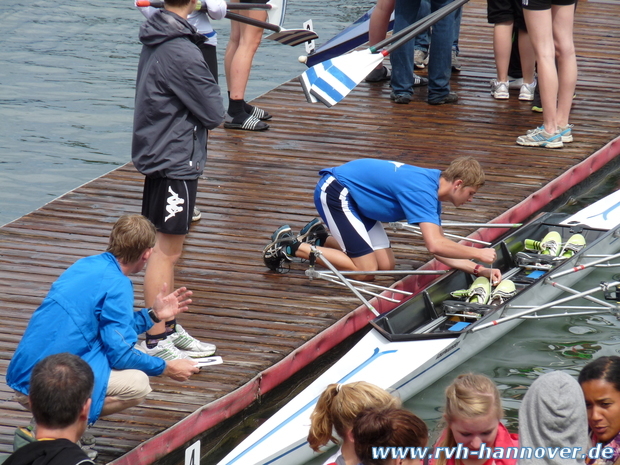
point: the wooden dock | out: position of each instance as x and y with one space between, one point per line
254 182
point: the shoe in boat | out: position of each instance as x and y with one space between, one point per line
314 233
504 291
478 292
574 244
192 346
550 244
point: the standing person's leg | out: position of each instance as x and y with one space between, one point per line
540 29
422 41
377 30
440 58
527 59
244 41
500 14
502 48
168 203
563 19
456 63
405 13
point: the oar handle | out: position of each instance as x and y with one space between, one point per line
401 37
252 22
200 6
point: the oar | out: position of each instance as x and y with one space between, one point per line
335 78
312 74
290 37
275 8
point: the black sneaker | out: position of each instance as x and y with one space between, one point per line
378 75
313 233
402 99
450 98
275 252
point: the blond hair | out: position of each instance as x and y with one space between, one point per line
338 407
469 396
467 169
131 235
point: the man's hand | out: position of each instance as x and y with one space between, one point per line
167 306
487 255
181 369
495 279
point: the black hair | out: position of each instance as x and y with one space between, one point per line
606 368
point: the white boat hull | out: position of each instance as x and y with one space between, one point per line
408 367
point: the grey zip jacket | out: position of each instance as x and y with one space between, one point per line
177 100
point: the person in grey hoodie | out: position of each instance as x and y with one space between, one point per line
177 102
553 416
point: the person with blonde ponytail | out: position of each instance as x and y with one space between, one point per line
472 415
336 411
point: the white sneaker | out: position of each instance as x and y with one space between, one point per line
567 133
420 59
514 83
192 346
499 90
164 349
527 91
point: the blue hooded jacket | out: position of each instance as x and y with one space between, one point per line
87 312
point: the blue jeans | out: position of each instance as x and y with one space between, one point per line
440 56
422 41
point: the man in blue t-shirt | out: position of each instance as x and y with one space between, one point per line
353 199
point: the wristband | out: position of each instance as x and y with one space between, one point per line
477 270
151 313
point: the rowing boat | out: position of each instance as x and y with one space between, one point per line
429 335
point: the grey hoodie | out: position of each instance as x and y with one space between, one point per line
553 415
177 100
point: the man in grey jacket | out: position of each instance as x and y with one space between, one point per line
177 102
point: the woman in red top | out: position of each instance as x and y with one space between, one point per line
472 414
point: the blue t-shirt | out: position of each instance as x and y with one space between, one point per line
391 191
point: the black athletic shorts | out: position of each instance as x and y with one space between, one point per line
169 203
503 11
545 4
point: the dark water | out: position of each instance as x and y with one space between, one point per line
67 72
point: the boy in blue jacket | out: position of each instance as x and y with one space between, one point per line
89 312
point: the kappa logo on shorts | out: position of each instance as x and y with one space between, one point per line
174 202
396 164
